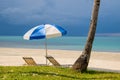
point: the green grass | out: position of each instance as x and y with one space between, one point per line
52 73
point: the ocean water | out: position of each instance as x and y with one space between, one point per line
108 44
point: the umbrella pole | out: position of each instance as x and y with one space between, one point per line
46 50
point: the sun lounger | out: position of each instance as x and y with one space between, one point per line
29 61
53 61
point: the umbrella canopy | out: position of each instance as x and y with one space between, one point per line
44 31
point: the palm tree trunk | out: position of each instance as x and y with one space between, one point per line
82 62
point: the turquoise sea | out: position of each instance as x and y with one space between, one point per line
108 44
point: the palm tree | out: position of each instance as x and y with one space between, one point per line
82 62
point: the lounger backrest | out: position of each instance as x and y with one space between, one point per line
52 60
29 61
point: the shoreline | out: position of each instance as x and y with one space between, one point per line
116 52
99 60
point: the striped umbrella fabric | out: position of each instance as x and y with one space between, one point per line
44 31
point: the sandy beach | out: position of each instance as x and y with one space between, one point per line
109 61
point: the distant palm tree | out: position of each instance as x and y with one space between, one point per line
82 62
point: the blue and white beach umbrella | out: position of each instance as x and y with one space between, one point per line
44 32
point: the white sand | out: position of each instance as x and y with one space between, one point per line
99 60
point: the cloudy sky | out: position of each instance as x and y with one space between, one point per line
18 16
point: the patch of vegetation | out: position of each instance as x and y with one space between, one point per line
52 73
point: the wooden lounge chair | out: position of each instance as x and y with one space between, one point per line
53 61
30 61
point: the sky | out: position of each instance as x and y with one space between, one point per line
18 16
